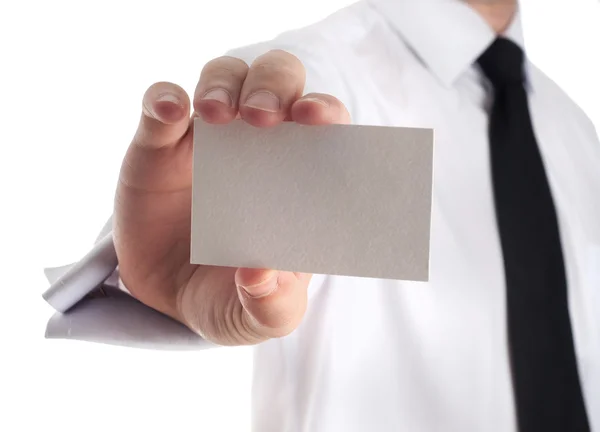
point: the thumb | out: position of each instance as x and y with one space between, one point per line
274 301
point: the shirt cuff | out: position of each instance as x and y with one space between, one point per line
110 315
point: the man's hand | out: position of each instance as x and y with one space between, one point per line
152 214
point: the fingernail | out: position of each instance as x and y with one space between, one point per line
165 112
219 95
263 288
168 97
263 100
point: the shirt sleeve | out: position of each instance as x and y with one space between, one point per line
110 315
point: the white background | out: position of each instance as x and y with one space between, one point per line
72 78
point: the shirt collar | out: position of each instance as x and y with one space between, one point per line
447 35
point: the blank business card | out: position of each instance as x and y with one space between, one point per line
335 199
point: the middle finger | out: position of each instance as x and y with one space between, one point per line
274 82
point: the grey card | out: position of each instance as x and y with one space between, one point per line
334 199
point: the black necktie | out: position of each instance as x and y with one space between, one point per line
545 378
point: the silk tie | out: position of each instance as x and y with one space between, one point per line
546 382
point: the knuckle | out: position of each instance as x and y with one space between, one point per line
234 60
274 71
162 86
225 67
283 331
284 57
278 62
281 321
156 85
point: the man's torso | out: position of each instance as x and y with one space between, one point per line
394 355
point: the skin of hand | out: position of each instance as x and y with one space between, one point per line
152 213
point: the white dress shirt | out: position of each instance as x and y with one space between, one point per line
383 355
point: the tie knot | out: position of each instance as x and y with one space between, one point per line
503 62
